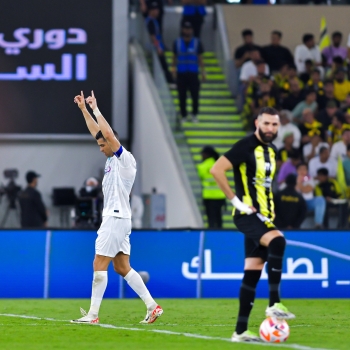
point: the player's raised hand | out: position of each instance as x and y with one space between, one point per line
91 100
80 101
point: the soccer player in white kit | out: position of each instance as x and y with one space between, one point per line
112 243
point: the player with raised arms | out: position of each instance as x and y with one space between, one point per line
253 160
112 243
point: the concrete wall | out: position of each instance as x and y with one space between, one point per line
153 151
293 21
61 164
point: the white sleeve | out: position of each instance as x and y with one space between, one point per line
312 168
297 137
125 158
333 167
307 150
317 54
243 76
299 59
267 69
334 151
348 43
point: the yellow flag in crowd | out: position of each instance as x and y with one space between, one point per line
324 38
341 176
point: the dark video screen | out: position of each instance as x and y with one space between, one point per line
49 52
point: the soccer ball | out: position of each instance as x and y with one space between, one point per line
273 330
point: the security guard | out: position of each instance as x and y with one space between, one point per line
213 197
194 12
33 212
154 31
188 52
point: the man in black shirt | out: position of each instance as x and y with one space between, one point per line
290 206
242 53
253 160
275 54
325 116
33 212
145 4
157 38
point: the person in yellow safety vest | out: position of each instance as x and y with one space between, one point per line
213 198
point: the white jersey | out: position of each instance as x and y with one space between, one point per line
120 172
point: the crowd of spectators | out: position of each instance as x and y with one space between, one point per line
311 91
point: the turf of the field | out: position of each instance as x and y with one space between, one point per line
44 324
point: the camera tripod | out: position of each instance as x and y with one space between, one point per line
11 207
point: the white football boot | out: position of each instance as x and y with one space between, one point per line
152 316
86 319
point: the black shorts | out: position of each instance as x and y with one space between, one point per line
253 227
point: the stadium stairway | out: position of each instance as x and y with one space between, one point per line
219 126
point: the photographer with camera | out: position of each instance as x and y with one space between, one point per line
33 211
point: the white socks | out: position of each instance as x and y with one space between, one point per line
99 285
136 283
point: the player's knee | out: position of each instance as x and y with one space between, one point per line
121 270
277 246
99 276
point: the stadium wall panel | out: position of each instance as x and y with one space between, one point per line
58 264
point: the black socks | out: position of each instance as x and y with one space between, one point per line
274 267
246 298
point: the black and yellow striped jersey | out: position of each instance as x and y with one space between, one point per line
254 167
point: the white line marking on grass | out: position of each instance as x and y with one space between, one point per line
163 331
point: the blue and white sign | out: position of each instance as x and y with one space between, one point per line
40 263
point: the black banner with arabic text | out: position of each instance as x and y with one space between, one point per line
49 52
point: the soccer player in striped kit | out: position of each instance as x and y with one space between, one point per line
112 243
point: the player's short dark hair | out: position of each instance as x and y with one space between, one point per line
307 37
99 135
323 171
247 32
337 34
278 33
268 110
316 70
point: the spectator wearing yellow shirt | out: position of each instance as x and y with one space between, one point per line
310 126
335 130
341 86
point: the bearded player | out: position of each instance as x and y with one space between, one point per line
253 160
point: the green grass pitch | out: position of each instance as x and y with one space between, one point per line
320 324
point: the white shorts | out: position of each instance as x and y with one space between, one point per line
113 236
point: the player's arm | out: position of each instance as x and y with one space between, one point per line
103 125
90 121
219 173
